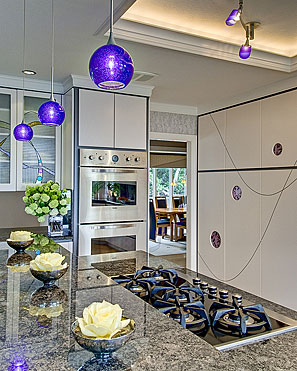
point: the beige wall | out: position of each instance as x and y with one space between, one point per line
12 212
250 131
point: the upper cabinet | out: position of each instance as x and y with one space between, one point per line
7 142
44 150
112 120
96 119
130 122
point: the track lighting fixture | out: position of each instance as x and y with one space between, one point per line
235 15
245 50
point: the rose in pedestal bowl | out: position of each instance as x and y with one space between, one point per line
20 240
48 267
102 330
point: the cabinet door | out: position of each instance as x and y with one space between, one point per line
96 119
7 141
44 150
130 122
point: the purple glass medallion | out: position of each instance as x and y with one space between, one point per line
233 17
215 239
236 193
23 132
51 113
277 149
111 67
245 51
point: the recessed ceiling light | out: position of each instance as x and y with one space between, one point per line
29 72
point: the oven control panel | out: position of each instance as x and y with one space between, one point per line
113 158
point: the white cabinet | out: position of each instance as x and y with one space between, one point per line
130 122
7 141
112 120
96 119
211 148
44 150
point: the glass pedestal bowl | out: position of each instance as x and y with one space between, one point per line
48 277
19 246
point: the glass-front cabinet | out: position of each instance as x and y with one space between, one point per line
38 159
23 163
7 142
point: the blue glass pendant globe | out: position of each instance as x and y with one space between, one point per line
51 113
23 132
111 67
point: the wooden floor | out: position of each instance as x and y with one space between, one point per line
179 259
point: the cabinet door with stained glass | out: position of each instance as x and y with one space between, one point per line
7 141
38 159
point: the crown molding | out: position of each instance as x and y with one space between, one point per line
85 82
173 108
16 82
150 35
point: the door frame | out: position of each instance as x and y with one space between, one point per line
191 252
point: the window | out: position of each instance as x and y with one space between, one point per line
179 182
151 183
162 182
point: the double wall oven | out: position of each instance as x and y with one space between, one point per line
112 201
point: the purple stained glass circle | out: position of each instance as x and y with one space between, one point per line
23 132
111 67
236 193
277 149
215 239
51 113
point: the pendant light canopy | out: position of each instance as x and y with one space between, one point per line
51 113
23 132
111 66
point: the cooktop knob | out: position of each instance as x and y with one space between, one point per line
196 281
115 158
238 298
204 286
137 159
223 294
91 157
101 158
128 159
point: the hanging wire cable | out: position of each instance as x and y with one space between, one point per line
53 54
259 244
238 172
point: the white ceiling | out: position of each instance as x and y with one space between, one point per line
206 18
184 79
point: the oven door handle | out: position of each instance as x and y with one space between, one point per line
112 226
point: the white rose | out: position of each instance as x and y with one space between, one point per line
102 320
20 236
48 262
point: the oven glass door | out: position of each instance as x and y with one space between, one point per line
106 245
112 195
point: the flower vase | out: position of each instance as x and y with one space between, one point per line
55 225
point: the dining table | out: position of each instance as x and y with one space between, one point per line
172 212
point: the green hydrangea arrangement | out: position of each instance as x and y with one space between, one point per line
45 199
43 244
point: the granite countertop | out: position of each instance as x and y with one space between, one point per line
158 343
5 232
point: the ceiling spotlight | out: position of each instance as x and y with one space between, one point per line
29 72
245 50
235 15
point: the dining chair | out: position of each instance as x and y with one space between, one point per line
179 227
176 201
155 223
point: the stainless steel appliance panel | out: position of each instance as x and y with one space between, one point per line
108 212
87 232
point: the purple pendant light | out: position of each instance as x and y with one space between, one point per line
51 113
234 16
23 132
245 50
111 66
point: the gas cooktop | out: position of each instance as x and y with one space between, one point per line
223 320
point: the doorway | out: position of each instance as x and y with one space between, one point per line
170 192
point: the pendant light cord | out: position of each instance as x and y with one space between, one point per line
24 42
111 38
53 51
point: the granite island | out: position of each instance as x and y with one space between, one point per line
158 343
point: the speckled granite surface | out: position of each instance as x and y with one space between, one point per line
158 343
